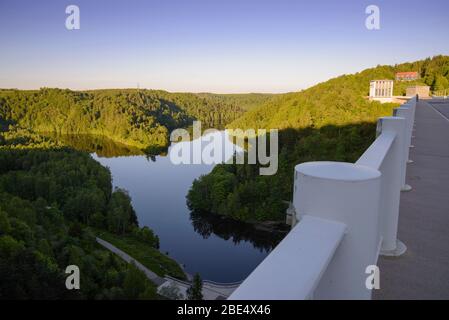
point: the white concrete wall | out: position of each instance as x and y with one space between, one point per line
348 215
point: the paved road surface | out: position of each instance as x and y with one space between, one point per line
442 106
423 271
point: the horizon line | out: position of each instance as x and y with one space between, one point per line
236 92
154 89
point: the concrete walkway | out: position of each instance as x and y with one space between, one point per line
423 271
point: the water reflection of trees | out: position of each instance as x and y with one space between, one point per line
105 147
236 231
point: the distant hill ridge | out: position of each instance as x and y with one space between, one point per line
330 121
141 118
341 100
144 118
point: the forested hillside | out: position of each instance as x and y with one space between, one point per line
330 121
141 118
245 101
339 100
51 201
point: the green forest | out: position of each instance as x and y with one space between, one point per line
245 101
330 121
139 118
53 202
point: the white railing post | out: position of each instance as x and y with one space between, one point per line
407 114
391 183
413 103
348 214
350 194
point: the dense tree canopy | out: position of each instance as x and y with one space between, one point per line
142 118
245 101
53 199
330 121
49 202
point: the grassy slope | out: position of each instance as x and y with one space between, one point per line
150 257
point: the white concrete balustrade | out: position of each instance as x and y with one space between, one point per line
347 216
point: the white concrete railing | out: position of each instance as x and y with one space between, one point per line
348 215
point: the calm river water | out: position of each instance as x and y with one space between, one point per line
219 250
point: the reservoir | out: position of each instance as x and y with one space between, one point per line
219 249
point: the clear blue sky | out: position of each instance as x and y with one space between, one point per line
210 45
